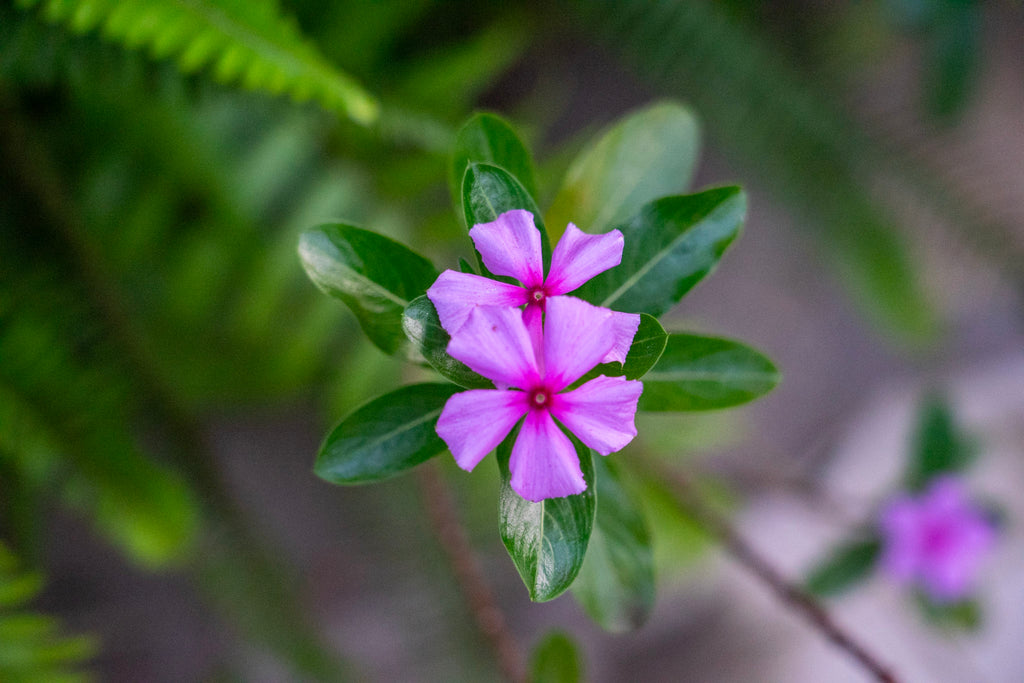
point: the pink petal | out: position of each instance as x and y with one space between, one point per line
601 412
455 294
901 555
624 327
494 342
474 422
533 318
544 462
510 245
579 257
577 336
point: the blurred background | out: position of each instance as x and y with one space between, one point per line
167 371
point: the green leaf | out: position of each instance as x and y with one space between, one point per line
647 347
670 245
385 437
556 659
616 583
489 138
964 615
938 447
649 154
488 192
547 540
250 43
375 276
423 328
847 566
703 373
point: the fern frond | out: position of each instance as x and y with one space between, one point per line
32 647
247 42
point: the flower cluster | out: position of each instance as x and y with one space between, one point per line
936 540
534 342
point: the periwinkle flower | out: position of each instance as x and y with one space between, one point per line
936 540
511 246
536 369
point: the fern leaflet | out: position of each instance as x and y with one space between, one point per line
248 42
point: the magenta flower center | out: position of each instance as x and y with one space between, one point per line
938 540
537 295
540 398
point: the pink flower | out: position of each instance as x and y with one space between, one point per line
937 540
511 246
495 342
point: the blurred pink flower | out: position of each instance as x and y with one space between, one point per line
937 540
530 371
511 246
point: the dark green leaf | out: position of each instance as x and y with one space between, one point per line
375 276
423 328
938 446
556 659
547 540
616 583
951 57
466 267
489 191
385 437
670 245
847 566
490 139
649 154
964 615
703 373
797 138
647 347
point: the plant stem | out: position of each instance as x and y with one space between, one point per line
791 595
451 534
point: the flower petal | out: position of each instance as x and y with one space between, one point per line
494 342
577 336
601 413
544 463
901 555
455 294
474 422
624 327
579 257
510 245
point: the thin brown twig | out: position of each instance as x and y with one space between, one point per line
444 517
789 594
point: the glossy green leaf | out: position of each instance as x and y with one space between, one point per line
547 540
847 566
647 347
670 246
374 276
939 447
649 154
703 373
489 191
490 139
616 583
385 437
556 659
423 328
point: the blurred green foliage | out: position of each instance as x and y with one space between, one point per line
32 648
150 212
